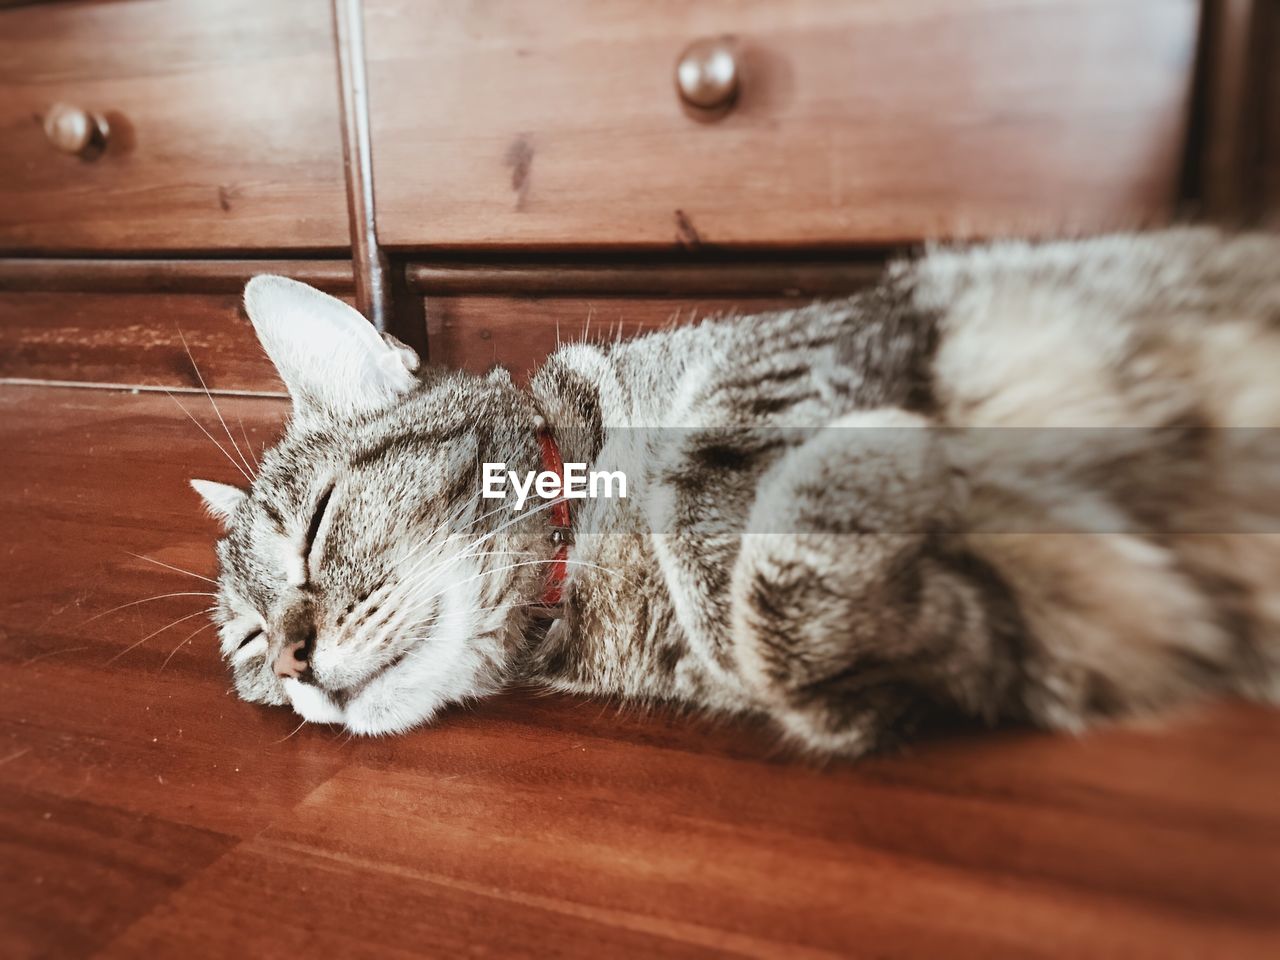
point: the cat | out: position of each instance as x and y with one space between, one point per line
1000 485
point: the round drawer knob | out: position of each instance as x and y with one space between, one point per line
76 131
707 74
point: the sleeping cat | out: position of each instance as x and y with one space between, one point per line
998 485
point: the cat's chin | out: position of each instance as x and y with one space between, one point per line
369 714
406 695
312 704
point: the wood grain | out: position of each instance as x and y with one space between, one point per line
225 132
146 811
803 278
165 276
475 333
144 323
557 125
123 322
514 314
139 339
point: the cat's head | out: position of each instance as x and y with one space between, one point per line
363 579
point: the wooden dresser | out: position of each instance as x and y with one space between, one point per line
484 178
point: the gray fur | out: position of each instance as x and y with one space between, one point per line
906 559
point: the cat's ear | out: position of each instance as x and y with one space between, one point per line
221 499
330 357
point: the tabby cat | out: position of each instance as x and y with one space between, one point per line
1013 482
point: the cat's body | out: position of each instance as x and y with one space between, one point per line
840 517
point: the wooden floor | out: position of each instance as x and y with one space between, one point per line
145 811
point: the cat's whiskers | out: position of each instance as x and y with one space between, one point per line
459 535
472 613
456 536
191 636
243 472
134 603
463 531
489 573
424 577
292 732
525 515
404 603
404 644
153 633
493 608
248 445
517 519
422 649
414 554
512 566
418 581
199 376
406 614
170 566
382 635
423 595
418 561
393 597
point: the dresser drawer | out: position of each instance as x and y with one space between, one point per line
480 332
175 324
222 127
132 339
478 315
558 123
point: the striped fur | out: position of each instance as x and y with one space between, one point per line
1000 485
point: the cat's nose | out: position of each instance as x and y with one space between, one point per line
291 661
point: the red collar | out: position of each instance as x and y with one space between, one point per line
561 533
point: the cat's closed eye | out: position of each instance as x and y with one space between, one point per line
249 639
313 528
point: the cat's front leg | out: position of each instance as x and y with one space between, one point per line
852 612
